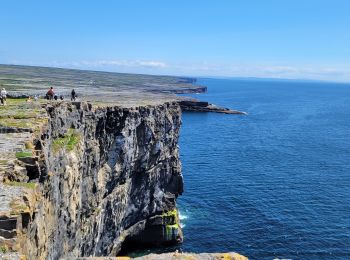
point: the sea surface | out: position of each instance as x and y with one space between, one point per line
274 183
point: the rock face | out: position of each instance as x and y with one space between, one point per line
107 175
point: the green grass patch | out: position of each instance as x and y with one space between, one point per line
28 185
24 154
4 249
10 122
16 100
18 113
33 124
72 142
68 141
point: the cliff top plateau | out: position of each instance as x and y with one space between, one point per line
104 87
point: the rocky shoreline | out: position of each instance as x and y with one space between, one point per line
194 105
172 256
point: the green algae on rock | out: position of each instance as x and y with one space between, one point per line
67 141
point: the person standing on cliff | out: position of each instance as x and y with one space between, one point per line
50 94
3 96
73 95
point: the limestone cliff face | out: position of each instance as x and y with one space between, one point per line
107 175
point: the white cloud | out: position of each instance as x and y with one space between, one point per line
152 64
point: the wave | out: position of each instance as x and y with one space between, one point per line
182 216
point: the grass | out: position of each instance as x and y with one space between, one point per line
16 101
24 154
4 249
10 122
68 141
18 113
2 161
28 185
72 142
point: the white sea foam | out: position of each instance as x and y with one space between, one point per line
182 216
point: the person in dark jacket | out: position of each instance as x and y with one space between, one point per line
73 95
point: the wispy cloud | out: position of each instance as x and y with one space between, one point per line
316 72
116 63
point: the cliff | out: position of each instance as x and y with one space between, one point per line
101 176
90 178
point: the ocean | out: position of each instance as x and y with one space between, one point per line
274 183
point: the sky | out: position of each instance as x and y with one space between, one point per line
297 39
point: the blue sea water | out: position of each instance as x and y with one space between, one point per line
275 183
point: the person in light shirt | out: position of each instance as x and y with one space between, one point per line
3 96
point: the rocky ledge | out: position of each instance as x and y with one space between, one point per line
193 105
173 256
191 256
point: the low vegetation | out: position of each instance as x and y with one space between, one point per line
4 249
68 141
24 154
17 207
28 185
18 113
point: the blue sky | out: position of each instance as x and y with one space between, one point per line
304 39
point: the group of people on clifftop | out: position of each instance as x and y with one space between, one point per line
50 95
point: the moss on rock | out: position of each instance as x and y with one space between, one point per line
68 141
24 154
